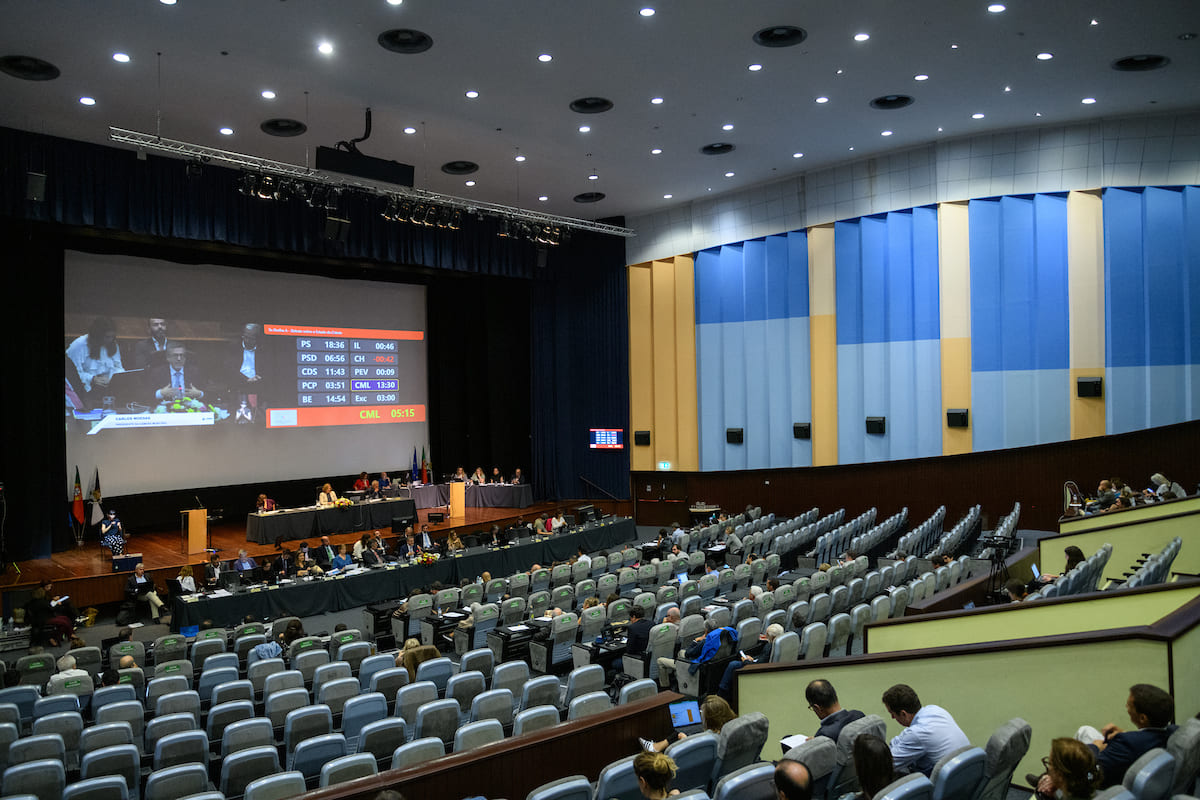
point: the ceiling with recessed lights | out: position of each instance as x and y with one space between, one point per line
591 108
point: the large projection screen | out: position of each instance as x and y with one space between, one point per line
261 376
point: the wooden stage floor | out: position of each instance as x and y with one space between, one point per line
85 573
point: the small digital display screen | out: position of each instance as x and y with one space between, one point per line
607 439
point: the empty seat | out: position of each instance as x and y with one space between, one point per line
240 768
176 782
314 752
185 747
576 787
588 704
124 760
959 774
276 787
360 711
494 704
418 752
45 779
637 690
437 718
335 693
381 738
753 782
96 736
247 734
225 714
107 787
348 768
535 719
305 723
477 734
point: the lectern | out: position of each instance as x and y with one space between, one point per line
458 499
195 530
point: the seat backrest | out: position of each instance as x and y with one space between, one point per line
165 725
959 773
740 743
279 704
129 711
464 687
118 759
348 768
477 734
438 718
637 690
246 734
510 675
1151 776
275 787
94 737
493 704
239 769
417 752
587 704
335 693
575 787
105 787
315 751
535 719
540 691
618 780
412 697
44 778
693 759
1005 749
184 747
437 670
753 781
122 649
1184 745
910 787
381 737
304 722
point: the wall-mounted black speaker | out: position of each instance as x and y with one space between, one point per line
1089 387
876 424
641 438
337 229
733 435
957 417
802 430
437 516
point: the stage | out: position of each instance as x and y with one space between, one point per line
85 573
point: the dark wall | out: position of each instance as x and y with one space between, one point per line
487 319
1033 476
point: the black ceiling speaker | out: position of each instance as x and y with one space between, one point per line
802 430
1089 387
957 417
876 424
733 435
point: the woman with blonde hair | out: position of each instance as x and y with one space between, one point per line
714 713
327 497
654 772
454 543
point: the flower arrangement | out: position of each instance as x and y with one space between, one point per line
427 559
343 502
189 405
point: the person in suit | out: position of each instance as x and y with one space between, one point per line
637 635
247 361
517 477
375 492
140 587
285 565
212 570
409 549
324 554
176 379
152 351
823 700
1150 710
372 556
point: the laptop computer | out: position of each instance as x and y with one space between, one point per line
685 716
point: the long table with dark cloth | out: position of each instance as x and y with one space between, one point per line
324 595
312 523
487 495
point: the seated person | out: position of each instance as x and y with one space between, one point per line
186 581
823 700
307 567
497 476
139 587
175 379
460 474
324 553
517 477
327 497
284 566
363 482
372 556
96 356
385 483
40 613
1070 771
714 714
477 477
1122 502
702 649
773 632
244 562
1105 495
409 549
1075 557
929 731
1166 488
654 772
637 634
374 492
1016 590
341 560
872 765
112 534
264 503
454 543
212 570
1150 710
539 524
66 668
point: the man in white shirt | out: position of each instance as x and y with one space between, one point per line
66 669
929 732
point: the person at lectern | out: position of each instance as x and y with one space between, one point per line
112 534
327 497
176 379
460 475
96 356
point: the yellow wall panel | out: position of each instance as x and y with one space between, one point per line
954 293
822 301
1085 277
662 364
956 393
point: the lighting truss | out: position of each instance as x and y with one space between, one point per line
283 169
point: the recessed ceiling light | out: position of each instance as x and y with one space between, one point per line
728 174
519 159
471 93
88 101
267 94
647 12
656 151
121 57
797 155
394 2
852 147
1045 56
921 77
728 126
953 47
410 130
667 196
585 129
469 183
1095 22
1087 101
822 99
1037 113
839 72
755 67
885 133
658 101
861 37
226 131
545 58
996 8
167 2
325 48
977 115
543 198
593 177
939 129
1008 88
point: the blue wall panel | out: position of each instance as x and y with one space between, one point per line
752 351
1016 408
900 381
1019 283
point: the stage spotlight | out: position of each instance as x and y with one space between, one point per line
506 231
248 184
331 198
390 209
266 187
443 218
316 198
418 214
283 191
430 217
403 211
456 219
